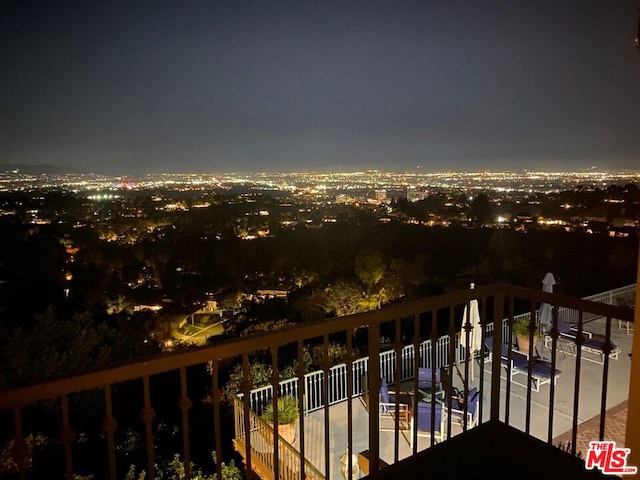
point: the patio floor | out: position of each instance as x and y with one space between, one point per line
590 389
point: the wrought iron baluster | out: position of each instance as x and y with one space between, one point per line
147 415
432 347
532 330
452 359
349 363
67 436
20 448
185 404
246 387
216 398
301 405
606 350
397 350
552 386
576 385
496 364
498 352
416 366
325 399
110 425
374 402
275 378
483 336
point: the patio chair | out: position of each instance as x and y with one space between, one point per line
471 403
541 373
388 410
626 324
423 421
592 344
425 377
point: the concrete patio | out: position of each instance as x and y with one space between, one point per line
590 388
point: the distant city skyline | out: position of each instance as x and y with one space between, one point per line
51 169
320 183
221 86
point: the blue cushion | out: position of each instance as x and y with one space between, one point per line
384 391
519 361
425 377
564 328
542 369
595 344
424 416
472 401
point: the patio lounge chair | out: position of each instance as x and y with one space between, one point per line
540 370
628 303
388 410
457 410
423 421
592 345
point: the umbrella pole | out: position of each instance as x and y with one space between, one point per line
460 376
472 367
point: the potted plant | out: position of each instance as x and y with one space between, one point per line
287 417
521 331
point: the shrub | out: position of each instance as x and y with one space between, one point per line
521 327
287 410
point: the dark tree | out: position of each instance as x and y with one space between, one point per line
481 209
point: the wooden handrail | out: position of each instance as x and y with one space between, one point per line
262 447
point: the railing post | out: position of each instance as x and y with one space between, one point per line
245 389
147 415
374 402
216 397
349 373
325 397
302 379
185 404
498 314
20 448
275 379
633 412
67 436
110 426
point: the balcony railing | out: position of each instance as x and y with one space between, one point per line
412 326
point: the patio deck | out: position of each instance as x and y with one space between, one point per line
589 407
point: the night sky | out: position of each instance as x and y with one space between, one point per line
124 86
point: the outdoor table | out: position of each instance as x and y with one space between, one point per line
427 393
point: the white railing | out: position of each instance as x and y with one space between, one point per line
337 376
612 297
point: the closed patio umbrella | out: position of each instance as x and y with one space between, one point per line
545 317
471 316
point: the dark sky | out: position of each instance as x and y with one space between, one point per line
124 86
